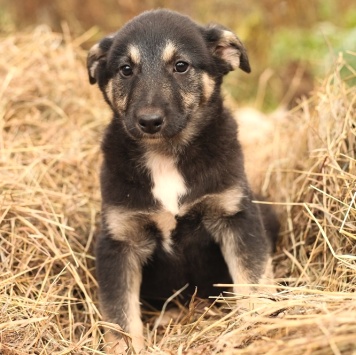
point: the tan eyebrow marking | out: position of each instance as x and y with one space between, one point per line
134 54
168 51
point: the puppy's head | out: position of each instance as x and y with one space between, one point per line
161 69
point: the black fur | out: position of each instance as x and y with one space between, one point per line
178 117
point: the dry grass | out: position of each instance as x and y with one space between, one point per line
51 123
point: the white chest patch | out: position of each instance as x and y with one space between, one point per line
168 183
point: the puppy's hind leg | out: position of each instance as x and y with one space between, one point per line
119 275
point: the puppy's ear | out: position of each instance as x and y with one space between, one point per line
97 57
226 46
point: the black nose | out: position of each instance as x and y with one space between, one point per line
150 122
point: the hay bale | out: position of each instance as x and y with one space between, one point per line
51 124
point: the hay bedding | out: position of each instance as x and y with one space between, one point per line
51 124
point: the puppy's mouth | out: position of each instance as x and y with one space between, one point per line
156 137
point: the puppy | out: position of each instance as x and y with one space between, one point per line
176 205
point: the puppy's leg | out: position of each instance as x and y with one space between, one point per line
245 248
119 270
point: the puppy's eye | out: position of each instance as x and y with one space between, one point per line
126 70
181 67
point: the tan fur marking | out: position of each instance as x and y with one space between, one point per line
109 91
168 51
116 346
113 345
92 68
241 279
227 202
190 131
134 54
226 51
128 226
208 86
121 103
228 37
267 278
232 56
93 59
188 99
95 50
165 222
237 271
135 325
121 223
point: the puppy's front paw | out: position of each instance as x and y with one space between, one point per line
123 346
138 344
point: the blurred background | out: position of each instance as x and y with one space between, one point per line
291 43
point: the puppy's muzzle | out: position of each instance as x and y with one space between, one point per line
150 121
